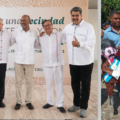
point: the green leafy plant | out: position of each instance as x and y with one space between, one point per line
107 6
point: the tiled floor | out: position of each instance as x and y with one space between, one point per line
39 99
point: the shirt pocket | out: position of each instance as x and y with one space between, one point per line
69 36
81 37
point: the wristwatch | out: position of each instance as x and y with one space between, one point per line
78 45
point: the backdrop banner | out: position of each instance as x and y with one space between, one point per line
58 11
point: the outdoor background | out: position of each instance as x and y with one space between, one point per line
107 111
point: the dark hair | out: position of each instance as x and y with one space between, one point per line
114 12
46 21
106 43
76 9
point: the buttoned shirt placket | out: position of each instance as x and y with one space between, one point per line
50 49
56 46
73 47
1 45
26 46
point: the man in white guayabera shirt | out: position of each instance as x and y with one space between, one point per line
26 39
4 46
53 62
81 57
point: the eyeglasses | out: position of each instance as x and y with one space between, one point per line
47 25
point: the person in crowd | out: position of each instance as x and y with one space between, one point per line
113 33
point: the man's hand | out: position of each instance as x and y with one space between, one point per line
75 43
41 34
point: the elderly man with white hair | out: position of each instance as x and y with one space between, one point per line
4 46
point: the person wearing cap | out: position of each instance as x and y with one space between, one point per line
113 33
103 26
107 24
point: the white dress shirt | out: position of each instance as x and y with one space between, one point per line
51 49
25 43
85 35
4 45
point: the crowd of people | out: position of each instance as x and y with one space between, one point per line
111 31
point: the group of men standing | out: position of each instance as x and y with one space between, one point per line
80 39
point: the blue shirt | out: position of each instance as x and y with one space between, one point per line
112 35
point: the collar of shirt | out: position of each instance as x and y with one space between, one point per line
82 21
110 29
21 29
53 32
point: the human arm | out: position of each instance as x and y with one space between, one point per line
63 36
106 68
12 38
37 43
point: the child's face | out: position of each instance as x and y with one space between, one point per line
110 53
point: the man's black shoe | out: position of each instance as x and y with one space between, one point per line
17 106
47 106
115 112
62 110
2 105
30 106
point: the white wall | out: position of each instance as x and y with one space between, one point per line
93 19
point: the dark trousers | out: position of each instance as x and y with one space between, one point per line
2 80
83 74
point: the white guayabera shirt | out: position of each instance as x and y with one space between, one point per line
25 43
85 35
51 49
4 45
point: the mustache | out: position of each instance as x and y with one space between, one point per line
111 55
75 19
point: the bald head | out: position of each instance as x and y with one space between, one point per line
26 16
25 21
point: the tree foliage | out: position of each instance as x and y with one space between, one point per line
107 6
